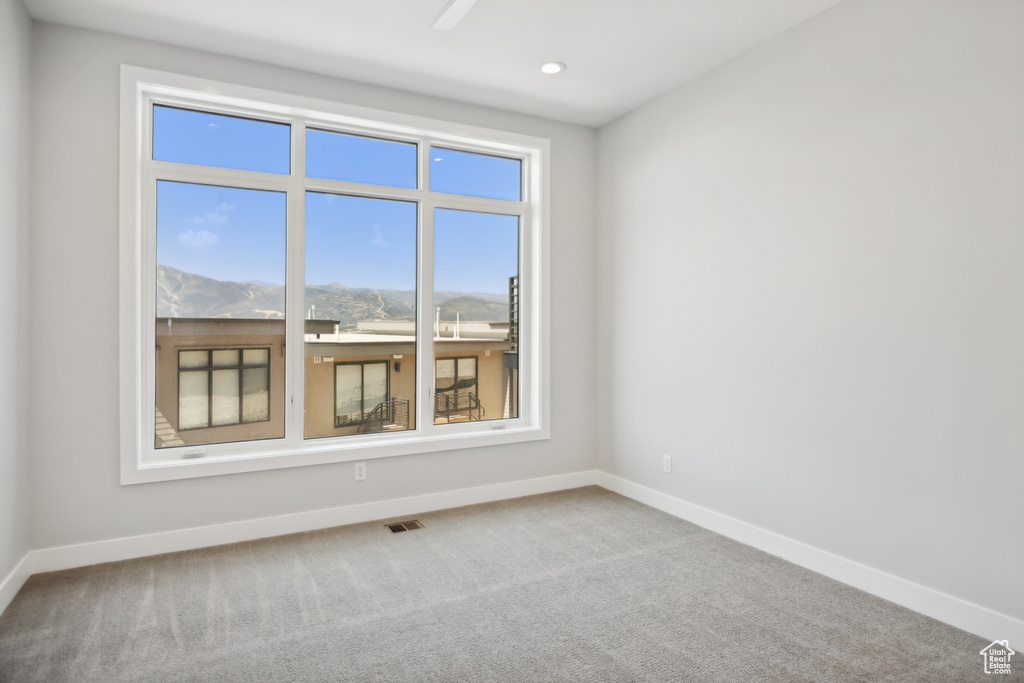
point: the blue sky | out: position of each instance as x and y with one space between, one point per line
474 252
239 235
360 242
229 141
222 233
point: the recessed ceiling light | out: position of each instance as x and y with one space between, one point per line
552 68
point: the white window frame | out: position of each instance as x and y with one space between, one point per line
140 461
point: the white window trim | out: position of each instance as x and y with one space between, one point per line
140 461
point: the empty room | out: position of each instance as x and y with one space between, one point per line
482 340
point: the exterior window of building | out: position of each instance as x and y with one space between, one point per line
313 283
456 395
219 387
359 389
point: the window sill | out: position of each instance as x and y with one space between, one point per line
172 463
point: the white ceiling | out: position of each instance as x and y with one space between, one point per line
620 53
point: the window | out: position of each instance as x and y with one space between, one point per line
197 137
478 175
309 282
219 387
456 394
359 388
360 159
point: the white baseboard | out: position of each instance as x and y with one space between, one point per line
14 580
113 550
964 615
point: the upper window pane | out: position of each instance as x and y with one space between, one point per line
255 357
195 137
225 358
476 175
358 159
193 359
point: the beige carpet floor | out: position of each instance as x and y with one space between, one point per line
580 585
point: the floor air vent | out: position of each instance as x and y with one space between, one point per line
404 526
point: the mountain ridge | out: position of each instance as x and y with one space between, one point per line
186 295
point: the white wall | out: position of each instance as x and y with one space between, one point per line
813 298
75 492
15 33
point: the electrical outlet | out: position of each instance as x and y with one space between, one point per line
360 471
666 463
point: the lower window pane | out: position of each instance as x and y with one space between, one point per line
360 315
476 324
444 375
348 394
220 322
225 410
375 385
255 394
467 373
193 400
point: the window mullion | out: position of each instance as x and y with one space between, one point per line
295 346
425 316
479 204
146 276
212 175
424 294
363 189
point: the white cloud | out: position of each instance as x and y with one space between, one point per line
210 217
217 217
198 240
378 237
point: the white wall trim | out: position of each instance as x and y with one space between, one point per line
14 580
113 550
964 615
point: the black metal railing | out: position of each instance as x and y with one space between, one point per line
393 414
463 404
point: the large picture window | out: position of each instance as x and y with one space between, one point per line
288 265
